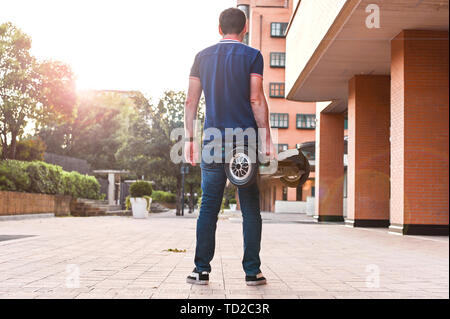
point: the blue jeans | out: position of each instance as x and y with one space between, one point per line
213 184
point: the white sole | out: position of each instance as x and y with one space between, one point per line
256 283
197 282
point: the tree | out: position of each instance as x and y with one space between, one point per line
146 145
170 111
18 80
97 131
93 134
30 149
135 137
57 92
29 91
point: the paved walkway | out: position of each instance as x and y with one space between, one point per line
119 257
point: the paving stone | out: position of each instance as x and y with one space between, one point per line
80 258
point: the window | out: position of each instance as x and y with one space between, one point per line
276 90
306 121
278 59
278 29
282 147
279 120
345 124
245 8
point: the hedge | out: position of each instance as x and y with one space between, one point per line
44 178
163 197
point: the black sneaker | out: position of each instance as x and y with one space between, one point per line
257 280
198 278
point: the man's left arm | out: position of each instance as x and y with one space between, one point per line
190 115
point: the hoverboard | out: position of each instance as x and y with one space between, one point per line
291 167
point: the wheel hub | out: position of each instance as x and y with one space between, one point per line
240 166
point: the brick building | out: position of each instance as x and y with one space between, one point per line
384 66
294 121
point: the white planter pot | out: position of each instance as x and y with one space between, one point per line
233 207
139 207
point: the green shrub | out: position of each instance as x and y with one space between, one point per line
13 176
44 178
69 184
232 201
91 187
163 197
140 189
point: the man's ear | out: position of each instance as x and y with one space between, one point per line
220 31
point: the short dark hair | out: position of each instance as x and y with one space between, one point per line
232 21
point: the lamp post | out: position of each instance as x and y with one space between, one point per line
184 171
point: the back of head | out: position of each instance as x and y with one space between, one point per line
232 21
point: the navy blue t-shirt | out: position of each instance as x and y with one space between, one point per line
224 70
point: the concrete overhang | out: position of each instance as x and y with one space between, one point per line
350 48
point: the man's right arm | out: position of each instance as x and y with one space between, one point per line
260 109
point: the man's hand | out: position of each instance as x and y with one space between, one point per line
191 153
271 152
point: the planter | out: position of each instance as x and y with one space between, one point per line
233 207
139 207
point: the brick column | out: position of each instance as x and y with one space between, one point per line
329 167
419 144
368 151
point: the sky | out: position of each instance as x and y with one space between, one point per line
144 45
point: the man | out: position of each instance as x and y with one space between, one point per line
230 74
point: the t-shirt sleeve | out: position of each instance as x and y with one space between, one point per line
195 70
257 68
